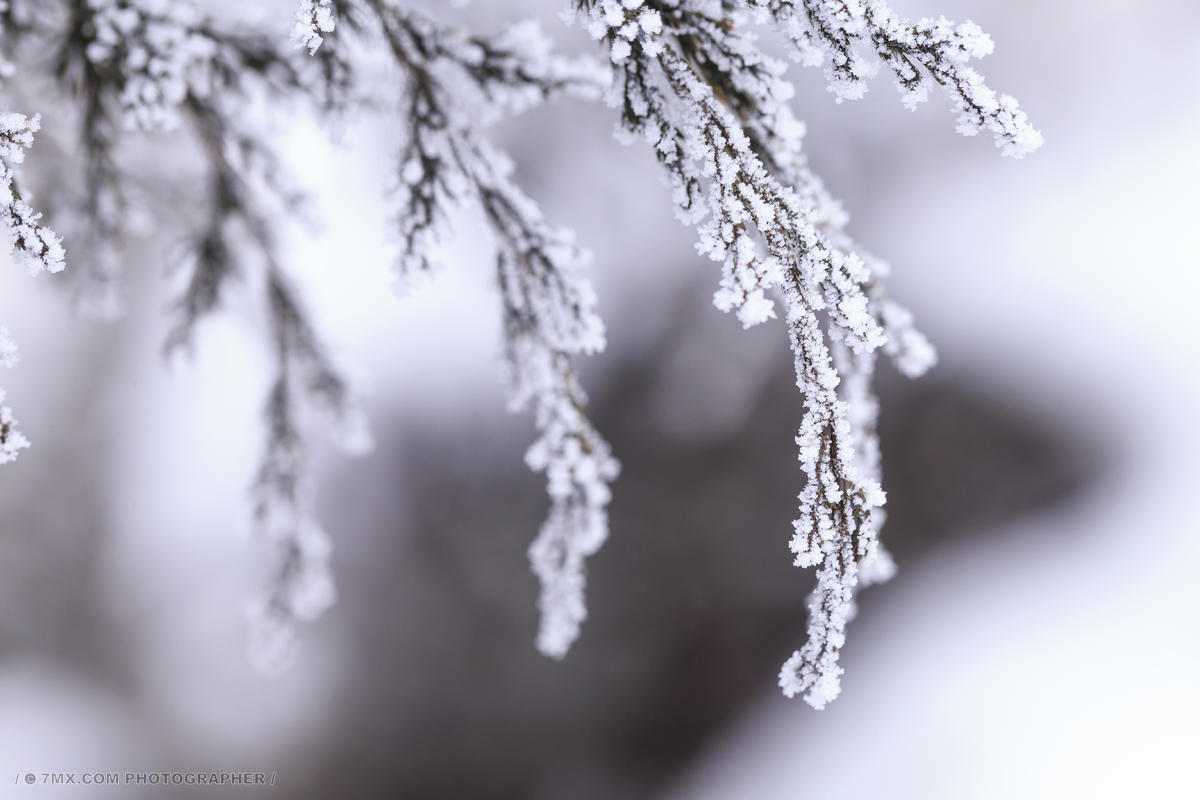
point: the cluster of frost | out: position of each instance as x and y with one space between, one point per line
12 441
154 47
300 585
38 247
155 65
930 51
624 23
314 20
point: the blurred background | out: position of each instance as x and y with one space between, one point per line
1039 639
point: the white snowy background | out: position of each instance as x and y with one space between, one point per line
1056 658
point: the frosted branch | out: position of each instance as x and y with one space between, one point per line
692 82
919 55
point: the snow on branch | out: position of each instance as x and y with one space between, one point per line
320 28
32 243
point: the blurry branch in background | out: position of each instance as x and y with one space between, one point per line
33 244
687 76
